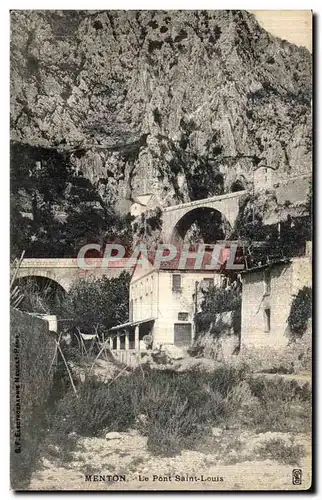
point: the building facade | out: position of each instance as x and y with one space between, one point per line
163 302
168 299
162 305
267 295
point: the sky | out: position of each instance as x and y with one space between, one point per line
292 25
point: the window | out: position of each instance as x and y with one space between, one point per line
267 282
267 320
183 316
131 310
176 283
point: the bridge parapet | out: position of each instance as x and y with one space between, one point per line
178 218
69 263
48 263
201 203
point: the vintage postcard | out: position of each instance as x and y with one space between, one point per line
161 250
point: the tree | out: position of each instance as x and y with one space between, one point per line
301 310
96 305
65 210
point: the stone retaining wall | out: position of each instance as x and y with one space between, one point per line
32 349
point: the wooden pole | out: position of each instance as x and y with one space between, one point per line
137 338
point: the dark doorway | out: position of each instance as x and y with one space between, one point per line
182 334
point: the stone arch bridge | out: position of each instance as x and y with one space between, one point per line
66 271
178 218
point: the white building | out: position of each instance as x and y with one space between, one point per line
163 303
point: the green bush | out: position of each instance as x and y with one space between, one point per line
167 410
280 405
98 304
97 406
40 295
177 410
301 310
154 219
184 404
278 388
218 300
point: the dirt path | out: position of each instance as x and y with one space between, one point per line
229 460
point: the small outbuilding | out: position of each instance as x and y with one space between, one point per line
267 294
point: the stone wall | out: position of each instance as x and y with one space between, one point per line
227 204
32 349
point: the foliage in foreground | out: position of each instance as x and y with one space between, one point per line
40 296
175 410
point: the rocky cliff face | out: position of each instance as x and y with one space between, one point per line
180 104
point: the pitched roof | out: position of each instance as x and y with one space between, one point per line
189 264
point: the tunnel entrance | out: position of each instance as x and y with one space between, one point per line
236 186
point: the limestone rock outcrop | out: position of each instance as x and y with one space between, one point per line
178 103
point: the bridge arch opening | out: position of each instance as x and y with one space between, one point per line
200 225
40 294
238 185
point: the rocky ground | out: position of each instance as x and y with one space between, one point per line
239 457
244 459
